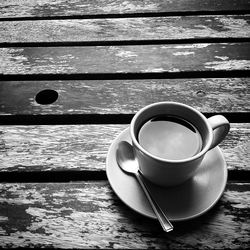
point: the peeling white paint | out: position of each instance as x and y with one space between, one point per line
153 70
128 6
157 70
237 25
174 70
193 46
223 58
126 54
228 65
48 227
184 53
244 201
3 219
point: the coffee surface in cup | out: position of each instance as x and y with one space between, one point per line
170 137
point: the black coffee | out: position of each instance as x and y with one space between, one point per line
170 137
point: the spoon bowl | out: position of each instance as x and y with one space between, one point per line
126 158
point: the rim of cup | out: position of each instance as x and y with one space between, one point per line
137 144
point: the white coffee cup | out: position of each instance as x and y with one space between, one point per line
167 172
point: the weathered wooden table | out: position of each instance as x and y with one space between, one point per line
100 62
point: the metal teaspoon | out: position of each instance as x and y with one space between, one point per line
128 163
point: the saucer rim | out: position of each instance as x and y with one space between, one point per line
223 186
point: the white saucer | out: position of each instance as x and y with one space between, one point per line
186 201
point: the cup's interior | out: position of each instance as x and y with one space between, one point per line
173 109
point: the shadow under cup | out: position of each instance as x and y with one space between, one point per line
162 171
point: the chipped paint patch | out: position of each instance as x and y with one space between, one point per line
223 58
48 226
153 70
174 70
244 201
127 6
185 53
47 150
126 54
3 219
157 70
235 25
193 46
228 65
18 60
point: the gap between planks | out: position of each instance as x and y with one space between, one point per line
128 15
126 42
81 119
78 176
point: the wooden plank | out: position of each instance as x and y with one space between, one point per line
89 215
47 8
135 29
124 96
125 59
85 147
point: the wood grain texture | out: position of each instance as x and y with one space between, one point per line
85 147
125 29
125 59
146 38
89 215
47 8
124 96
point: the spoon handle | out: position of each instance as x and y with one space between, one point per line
165 223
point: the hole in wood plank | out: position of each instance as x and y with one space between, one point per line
200 93
46 96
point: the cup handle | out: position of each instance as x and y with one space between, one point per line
220 126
